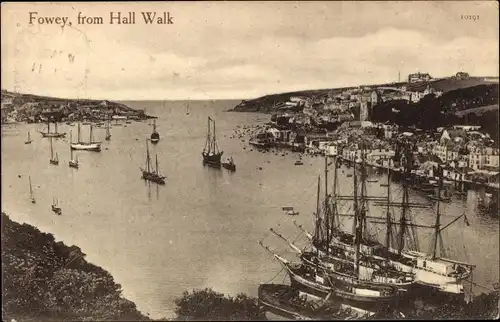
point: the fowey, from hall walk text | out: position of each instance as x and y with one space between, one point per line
119 18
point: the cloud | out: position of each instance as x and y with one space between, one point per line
231 50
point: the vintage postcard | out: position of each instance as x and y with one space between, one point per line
241 160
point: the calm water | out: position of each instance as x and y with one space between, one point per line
202 228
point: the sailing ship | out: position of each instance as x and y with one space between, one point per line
211 154
32 196
229 164
86 146
55 207
155 136
53 160
108 133
54 134
73 163
374 282
150 174
430 270
28 141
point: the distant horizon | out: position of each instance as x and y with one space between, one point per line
222 99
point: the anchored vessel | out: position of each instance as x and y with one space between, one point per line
54 134
55 208
28 141
86 146
284 301
73 163
108 133
32 196
53 160
149 173
229 164
401 248
211 154
155 136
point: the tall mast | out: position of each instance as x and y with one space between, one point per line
362 213
318 220
327 212
437 226
388 214
148 168
209 143
90 134
79 139
157 171
356 223
55 124
51 150
70 149
334 193
215 140
48 125
154 125
31 189
402 221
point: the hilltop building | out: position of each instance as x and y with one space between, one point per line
419 77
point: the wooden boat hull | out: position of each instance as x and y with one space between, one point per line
155 137
348 291
94 147
52 135
284 301
213 160
153 177
27 142
231 167
423 276
73 164
54 162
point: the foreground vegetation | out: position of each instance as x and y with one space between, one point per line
47 280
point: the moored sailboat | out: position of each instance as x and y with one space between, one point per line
53 159
55 207
211 154
86 146
108 132
430 270
150 174
73 163
54 134
32 196
28 141
155 136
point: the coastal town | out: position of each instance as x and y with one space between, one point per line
327 125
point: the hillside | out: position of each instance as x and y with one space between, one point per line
33 108
47 280
265 104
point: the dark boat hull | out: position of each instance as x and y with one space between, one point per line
153 177
283 300
229 166
213 160
155 137
52 135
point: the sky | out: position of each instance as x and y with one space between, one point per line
240 50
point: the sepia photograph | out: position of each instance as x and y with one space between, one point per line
250 160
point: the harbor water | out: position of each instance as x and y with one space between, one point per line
202 228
